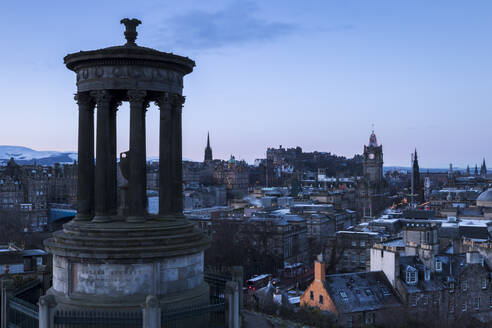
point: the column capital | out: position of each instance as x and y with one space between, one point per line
136 95
164 99
84 99
115 104
178 101
101 96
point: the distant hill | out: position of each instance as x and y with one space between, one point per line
422 169
24 155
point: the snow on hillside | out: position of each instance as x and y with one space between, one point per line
24 155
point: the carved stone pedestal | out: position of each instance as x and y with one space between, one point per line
117 265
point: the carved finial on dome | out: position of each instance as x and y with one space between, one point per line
131 30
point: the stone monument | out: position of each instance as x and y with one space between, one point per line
110 258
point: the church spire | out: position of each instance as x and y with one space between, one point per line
416 178
483 169
208 149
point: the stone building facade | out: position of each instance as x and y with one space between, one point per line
28 190
436 282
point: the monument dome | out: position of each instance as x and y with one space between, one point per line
485 198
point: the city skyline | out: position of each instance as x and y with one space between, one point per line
332 62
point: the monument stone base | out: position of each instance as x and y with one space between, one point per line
116 265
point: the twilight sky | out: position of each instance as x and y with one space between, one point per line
311 73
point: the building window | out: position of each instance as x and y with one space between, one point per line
344 296
451 305
464 285
320 299
490 302
311 295
370 318
363 259
354 243
362 243
463 307
436 298
476 303
484 283
425 300
413 300
354 258
350 321
411 275
438 266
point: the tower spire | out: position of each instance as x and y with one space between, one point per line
208 149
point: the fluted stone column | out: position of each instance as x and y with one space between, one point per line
104 146
165 159
177 154
113 169
85 183
138 170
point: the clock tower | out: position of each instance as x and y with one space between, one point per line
373 161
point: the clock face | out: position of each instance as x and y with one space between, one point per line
371 156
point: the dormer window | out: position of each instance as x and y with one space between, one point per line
438 266
411 275
344 295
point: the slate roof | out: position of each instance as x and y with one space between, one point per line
418 214
474 232
361 291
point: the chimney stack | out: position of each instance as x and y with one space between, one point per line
319 269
